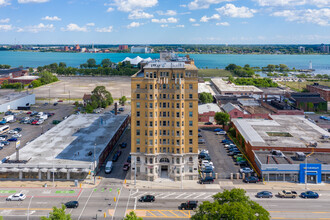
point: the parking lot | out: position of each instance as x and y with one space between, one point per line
30 132
223 164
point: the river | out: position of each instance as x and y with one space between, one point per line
321 63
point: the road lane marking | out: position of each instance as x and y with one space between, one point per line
24 209
162 213
208 196
200 195
153 214
189 195
129 196
184 213
135 203
80 193
180 195
135 192
167 195
173 213
86 204
114 212
28 211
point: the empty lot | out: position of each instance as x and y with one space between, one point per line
75 87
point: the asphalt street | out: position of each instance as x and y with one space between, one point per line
96 202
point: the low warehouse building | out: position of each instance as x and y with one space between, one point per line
11 101
272 144
68 150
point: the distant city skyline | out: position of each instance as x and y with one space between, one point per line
164 21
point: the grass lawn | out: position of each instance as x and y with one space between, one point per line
213 73
299 86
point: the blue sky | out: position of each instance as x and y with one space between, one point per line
165 21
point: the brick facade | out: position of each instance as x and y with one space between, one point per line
324 91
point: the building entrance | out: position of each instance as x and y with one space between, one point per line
164 171
311 179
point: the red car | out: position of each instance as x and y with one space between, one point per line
126 166
29 113
34 122
60 101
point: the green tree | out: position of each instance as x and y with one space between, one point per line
91 63
58 214
206 97
101 97
122 100
31 70
106 63
233 204
62 65
132 216
222 118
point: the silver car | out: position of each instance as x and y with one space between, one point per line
16 197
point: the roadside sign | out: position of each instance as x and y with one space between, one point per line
18 143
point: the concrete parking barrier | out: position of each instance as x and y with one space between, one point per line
243 175
237 175
231 176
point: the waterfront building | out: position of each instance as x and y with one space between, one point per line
325 48
324 91
123 47
301 49
140 49
164 123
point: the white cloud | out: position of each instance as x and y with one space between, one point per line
204 4
5 20
4 2
104 30
74 27
167 13
213 17
164 25
236 12
5 27
130 5
110 9
222 24
318 3
37 28
54 18
192 19
139 15
165 20
134 24
32 1
91 24
180 26
314 16
196 25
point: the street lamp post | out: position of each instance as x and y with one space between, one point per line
135 171
94 164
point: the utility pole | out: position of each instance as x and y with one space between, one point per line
94 164
135 171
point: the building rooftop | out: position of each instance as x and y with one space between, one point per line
210 107
225 86
205 87
9 95
164 65
27 78
326 88
7 71
68 144
229 107
290 158
282 131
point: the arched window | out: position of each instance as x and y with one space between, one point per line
190 159
138 159
177 160
164 160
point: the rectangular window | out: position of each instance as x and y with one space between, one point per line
177 142
137 123
178 114
138 149
190 169
177 105
190 86
137 114
190 123
150 105
190 132
164 96
138 105
150 142
150 97
150 123
190 141
190 96
190 149
151 86
138 132
137 140
150 133
190 104
150 114
137 96
178 133
190 114
137 86
178 124
177 96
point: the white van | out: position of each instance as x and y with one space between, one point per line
108 167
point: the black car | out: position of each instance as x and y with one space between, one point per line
121 109
129 159
208 123
4 136
115 157
5 142
264 194
251 179
123 145
72 204
190 205
17 129
147 198
207 179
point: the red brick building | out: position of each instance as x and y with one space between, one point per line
6 74
123 47
324 91
206 112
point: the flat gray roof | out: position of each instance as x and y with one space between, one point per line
224 86
256 131
9 95
77 133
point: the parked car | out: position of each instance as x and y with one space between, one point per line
200 135
34 122
208 123
199 130
246 170
2 139
220 133
123 145
16 135
39 122
251 179
207 179
12 132
16 197
147 198
217 130
118 152
207 169
264 194
225 141
126 166
287 194
201 141
129 159
55 104
121 109
115 157
12 139
72 204
60 101
309 195
189 205
5 143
